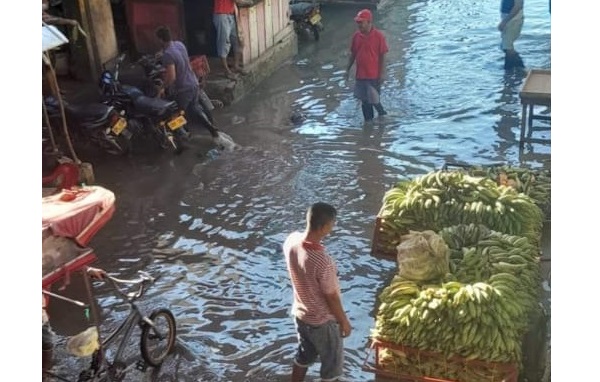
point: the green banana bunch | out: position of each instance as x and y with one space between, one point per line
480 312
536 183
444 198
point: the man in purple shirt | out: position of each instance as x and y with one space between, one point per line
180 81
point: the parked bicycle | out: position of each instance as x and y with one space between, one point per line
157 340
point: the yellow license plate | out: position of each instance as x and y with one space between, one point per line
315 19
176 123
119 126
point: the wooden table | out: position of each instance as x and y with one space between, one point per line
535 92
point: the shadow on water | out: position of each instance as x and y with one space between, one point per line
214 226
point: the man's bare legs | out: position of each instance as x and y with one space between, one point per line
237 66
228 72
298 373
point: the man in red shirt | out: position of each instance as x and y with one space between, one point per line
227 35
320 320
368 49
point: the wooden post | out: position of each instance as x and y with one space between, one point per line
97 21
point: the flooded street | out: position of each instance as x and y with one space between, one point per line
214 226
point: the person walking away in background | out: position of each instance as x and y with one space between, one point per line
180 81
511 24
368 49
320 320
227 36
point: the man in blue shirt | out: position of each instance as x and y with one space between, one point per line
180 80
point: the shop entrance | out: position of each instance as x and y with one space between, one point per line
189 20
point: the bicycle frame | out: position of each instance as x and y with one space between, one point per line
100 363
127 326
101 368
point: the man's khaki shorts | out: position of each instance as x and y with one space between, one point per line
512 31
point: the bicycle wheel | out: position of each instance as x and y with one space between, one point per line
157 342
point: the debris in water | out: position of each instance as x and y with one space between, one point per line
225 142
297 117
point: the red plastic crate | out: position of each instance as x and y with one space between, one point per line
509 371
200 66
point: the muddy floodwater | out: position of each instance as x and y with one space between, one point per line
213 225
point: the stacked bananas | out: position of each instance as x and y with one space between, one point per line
478 312
534 183
445 198
477 253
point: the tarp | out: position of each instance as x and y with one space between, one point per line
52 38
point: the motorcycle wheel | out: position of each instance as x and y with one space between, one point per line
118 146
172 140
174 143
109 143
124 141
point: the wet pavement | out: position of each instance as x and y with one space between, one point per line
212 223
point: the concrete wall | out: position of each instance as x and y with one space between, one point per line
97 21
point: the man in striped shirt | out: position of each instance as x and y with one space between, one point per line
320 319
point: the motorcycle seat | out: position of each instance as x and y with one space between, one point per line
301 9
91 112
153 106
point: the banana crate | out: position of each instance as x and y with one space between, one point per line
378 249
427 366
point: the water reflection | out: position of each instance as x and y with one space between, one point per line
214 228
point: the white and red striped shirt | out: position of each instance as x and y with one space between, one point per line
313 274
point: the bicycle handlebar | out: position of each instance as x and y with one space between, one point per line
142 281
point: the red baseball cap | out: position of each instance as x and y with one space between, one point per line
364 15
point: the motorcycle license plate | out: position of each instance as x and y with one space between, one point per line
315 19
119 126
176 123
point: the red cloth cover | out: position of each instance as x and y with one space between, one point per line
80 218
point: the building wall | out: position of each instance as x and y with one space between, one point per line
144 16
97 20
263 25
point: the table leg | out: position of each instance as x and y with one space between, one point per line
523 124
530 129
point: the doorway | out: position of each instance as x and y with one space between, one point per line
199 28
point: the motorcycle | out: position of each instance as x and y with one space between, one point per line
163 119
154 72
306 15
102 124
